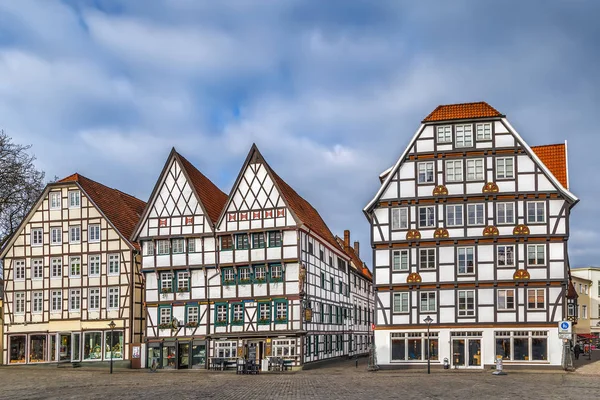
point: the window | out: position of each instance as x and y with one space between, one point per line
74 299
74 199
505 168
55 235
536 254
522 345
400 218
191 245
310 248
56 267
466 303
264 313
228 276
536 212
177 246
92 346
260 274
506 299
94 265
281 311
506 256
274 239
425 172
37 265
56 300
165 315
37 237
19 302
94 299
226 349
38 302
466 263
183 281
426 258
74 234
221 314
585 289
412 346
237 314
536 299
401 302
428 302
166 282
258 240
444 134
475 170
55 200
400 260
475 214
192 315
276 272
162 247
454 215
506 213
323 280
484 131
426 216
19 270
226 243
113 264
284 347
464 135
241 242
454 171
75 267
93 233
332 284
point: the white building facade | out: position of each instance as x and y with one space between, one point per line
592 274
469 228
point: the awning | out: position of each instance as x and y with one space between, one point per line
587 335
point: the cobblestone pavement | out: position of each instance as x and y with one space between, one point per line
338 381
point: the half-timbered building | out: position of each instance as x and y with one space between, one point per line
69 270
255 274
469 228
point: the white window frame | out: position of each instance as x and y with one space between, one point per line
281 310
57 300
583 311
537 205
56 266
506 256
444 134
165 317
504 168
399 218
19 267
427 210
94 234
94 265
484 131
74 199
260 272
112 298
426 167
428 256
55 236
284 347
401 303
464 135
237 313
166 280
75 296
94 299
71 264
191 245
425 306
183 280
475 170
113 264
506 293
536 292
456 215
193 314
162 247
148 248
277 271
19 303
477 221
37 237
55 200
226 349
245 273
400 260
74 234
37 302
536 248
505 213
178 246
466 268
37 268
454 171
221 313
469 309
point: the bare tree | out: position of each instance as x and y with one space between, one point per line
20 185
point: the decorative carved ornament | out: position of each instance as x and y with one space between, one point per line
301 278
162 222
440 190
413 277
490 231
490 187
413 234
440 233
521 230
521 275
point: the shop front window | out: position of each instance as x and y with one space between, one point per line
153 355
17 349
539 349
226 349
503 348
284 348
52 347
522 345
114 345
198 354
520 349
168 358
414 349
38 349
92 346
398 349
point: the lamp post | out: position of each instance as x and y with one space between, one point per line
112 328
428 321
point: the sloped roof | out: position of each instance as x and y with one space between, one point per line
554 157
462 111
571 291
358 264
212 198
121 209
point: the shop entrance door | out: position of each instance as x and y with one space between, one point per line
183 356
64 347
466 353
255 351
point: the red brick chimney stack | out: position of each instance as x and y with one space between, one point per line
357 248
346 238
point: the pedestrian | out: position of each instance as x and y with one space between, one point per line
577 350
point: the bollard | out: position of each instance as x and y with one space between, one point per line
499 368
446 363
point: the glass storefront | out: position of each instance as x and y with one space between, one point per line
92 346
17 349
52 347
168 355
199 354
114 345
153 354
38 349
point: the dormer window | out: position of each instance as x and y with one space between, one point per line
464 135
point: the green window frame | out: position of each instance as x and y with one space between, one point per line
192 324
275 239
276 272
221 311
167 289
316 345
228 276
258 240
234 307
259 274
241 242
277 309
245 275
170 323
264 319
307 347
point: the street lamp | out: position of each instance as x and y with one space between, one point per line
112 328
428 321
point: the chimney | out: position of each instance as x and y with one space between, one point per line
346 239
357 248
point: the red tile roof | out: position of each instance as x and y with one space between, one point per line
554 156
212 198
121 209
356 263
462 111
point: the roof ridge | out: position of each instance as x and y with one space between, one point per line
447 112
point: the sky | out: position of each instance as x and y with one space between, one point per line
331 92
